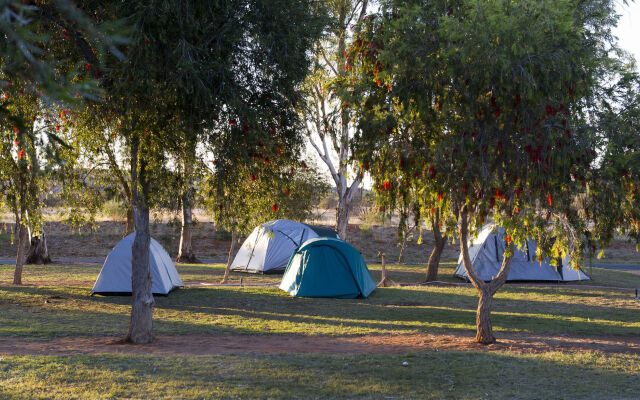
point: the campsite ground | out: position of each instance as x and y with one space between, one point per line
555 341
249 339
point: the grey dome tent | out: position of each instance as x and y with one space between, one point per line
115 276
268 249
486 253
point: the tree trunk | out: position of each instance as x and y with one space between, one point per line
484 330
140 328
342 218
38 251
23 237
486 290
438 247
185 253
232 249
130 224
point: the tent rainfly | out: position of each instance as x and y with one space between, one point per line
486 253
115 276
269 247
326 267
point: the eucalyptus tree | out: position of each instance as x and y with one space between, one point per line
329 126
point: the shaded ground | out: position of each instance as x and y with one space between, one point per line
290 344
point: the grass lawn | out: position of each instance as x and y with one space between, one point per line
56 303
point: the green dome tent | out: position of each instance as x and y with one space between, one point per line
326 267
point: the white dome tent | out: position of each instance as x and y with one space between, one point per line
115 276
486 253
268 249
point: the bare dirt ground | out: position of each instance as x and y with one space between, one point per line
368 344
212 244
208 243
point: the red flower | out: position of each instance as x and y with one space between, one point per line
57 127
232 122
15 141
274 207
21 154
387 185
433 210
508 239
266 160
253 177
549 199
440 196
214 162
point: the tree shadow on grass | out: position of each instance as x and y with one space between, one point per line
260 310
448 375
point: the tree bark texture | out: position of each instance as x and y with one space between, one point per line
130 224
38 252
232 250
342 217
23 238
140 328
486 290
438 247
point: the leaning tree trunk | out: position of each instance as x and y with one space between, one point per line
38 251
232 250
403 245
438 247
486 290
140 328
185 252
23 237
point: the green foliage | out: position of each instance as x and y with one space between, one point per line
490 111
262 192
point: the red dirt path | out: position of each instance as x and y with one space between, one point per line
369 344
